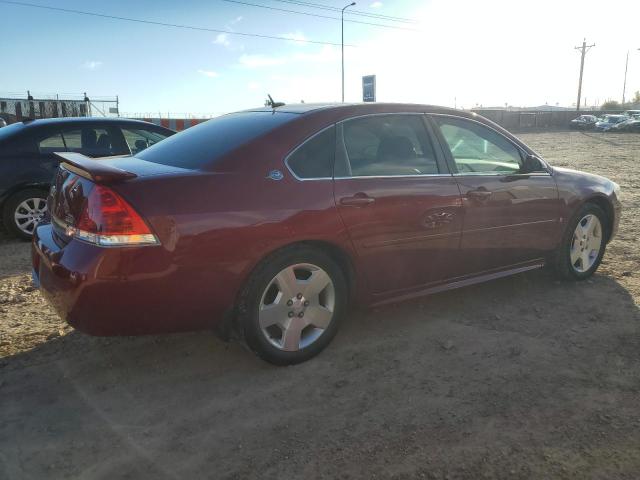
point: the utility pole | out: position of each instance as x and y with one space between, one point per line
624 85
585 48
342 18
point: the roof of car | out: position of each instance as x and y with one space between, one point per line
63 120
302 108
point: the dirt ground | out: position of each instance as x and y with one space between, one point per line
524 377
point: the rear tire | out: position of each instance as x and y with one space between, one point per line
23 210
292 306
583 244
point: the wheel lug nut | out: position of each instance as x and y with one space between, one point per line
301 314
299 296
306 303
289 303
291 314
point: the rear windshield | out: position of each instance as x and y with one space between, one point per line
200 146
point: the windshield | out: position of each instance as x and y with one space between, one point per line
200 146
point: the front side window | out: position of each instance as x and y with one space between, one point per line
138 139
477 149
388 145
314 158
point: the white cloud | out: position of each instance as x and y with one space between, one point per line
298 36
253 86
209 73
237 20
326 54
259 60
92 64
376 5
222 39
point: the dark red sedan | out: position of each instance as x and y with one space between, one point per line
270 222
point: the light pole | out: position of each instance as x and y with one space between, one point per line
342 43
624 86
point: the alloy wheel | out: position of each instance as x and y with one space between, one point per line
29 213
297 307
586 243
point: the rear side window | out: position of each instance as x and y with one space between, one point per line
314 158
90 141
200 146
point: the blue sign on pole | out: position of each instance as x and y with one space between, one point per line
369 88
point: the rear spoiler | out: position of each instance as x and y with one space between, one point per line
92 169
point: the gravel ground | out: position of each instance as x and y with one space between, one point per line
523 377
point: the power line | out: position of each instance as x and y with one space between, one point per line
164 24
350 12
317 15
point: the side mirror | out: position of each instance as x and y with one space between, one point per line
531 164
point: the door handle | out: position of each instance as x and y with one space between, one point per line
479 194
358 200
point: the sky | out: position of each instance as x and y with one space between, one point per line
464 53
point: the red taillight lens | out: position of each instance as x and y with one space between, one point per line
107 219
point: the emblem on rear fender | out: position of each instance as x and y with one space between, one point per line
275 175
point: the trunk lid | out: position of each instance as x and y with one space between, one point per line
78 175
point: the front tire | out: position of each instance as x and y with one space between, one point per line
292 305
583 244
22 212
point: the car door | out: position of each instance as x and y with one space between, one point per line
400 205
510 217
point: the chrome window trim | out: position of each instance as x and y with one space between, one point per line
421 175
418 175
546 166
502 174
302 144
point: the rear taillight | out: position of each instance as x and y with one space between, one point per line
108 220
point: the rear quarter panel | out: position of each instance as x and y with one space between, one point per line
216 227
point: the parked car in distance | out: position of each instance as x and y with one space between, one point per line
584 122
631 124
269 222
28 162
608 121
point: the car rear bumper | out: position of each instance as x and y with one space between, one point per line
122 291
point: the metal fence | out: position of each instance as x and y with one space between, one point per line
16 110
536 119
